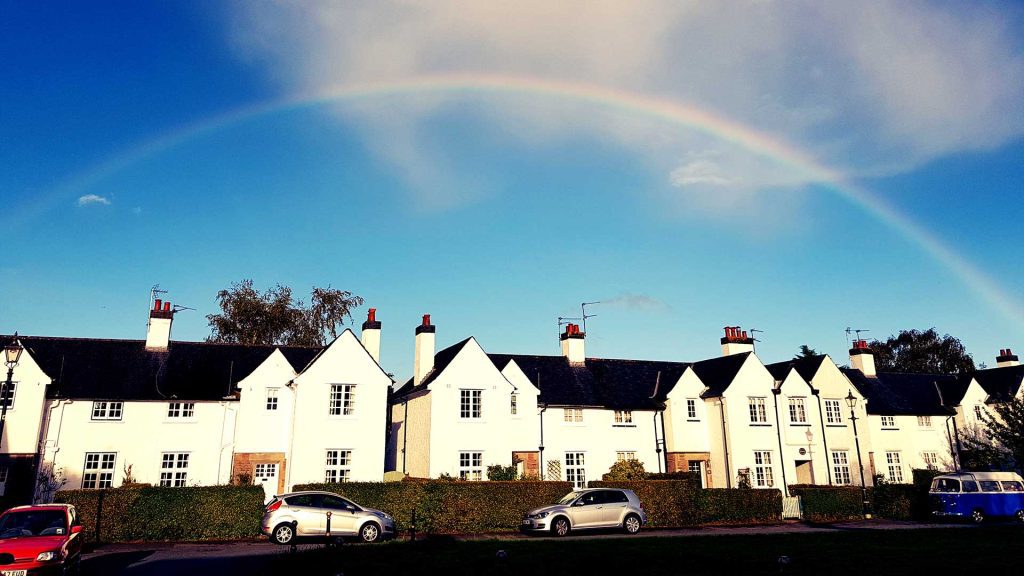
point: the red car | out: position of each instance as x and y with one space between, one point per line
44 539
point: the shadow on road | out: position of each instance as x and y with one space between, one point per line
113 563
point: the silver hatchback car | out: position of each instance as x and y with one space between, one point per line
592 508
322 514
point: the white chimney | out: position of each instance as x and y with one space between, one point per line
158 331
1006 359
862 358
371 335
423 363
572 344
736 341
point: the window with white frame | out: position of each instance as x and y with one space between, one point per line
797 411
889 422
627 455
98 471
758 414
471 403
272 398
338 466
471 465
895 466
833 412
7 397
623 416
514 408
573 415
924 421
105 410
575 471
841 466
174 469
978 409
691 408
931 460
763 469
343 400
181 409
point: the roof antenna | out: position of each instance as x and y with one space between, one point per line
752 331
857 331
562 321
583 307
153 293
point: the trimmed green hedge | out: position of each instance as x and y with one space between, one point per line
451 507
669 503
895 501
724 506
160 513
829 503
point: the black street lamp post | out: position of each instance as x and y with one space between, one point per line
12 354
851 401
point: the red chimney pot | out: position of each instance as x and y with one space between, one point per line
426 319
156 304
371 315
167 306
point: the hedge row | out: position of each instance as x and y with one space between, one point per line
160 513
677 503
451 507
894 501
829 503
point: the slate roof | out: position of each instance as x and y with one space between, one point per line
1001 384
806 367
87 368
718 373
609 383
441 361
893 394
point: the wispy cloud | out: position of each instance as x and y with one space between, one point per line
637 302
90 199
870 87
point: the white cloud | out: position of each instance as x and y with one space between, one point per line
870 87
90 199
637 302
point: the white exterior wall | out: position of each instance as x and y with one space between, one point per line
492 433
344 361
409 442
911 441
752 380
832 384
801 441
259 429
685 434
600 438
25 416
140 438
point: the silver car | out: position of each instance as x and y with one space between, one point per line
320 515
593 508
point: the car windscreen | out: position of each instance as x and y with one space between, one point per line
568 498
33 523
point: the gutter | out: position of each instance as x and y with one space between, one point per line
824 437
405 432
778 432
725 444
664 439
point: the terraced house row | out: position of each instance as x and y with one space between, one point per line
94 413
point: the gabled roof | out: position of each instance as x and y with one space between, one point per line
806 367
608 383
718 373
87 368
441 361
1001 384
895 394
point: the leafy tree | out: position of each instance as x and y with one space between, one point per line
275 317
805 352
1000 444
922 352
627 470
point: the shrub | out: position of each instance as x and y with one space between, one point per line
895 501
499 472
829 503
668 503
161 513
723 506
625 470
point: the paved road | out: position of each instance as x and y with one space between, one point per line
245 558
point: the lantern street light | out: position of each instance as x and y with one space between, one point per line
851 401
12 354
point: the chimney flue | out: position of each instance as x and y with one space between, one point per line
371 335
1006 358
423 361
862 358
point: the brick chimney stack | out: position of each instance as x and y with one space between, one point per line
423 362
371 334
862 358
1006 359
158 331
736 341
572 344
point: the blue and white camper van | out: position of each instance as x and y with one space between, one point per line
978 495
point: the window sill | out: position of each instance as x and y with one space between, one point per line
803 424
693 420
835 425
890 429
623 425
760 425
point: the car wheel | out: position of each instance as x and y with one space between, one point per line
560 527
632 524
370 532
977 516
284 533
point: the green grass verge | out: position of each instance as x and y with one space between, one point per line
983 550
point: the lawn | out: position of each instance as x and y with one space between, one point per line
985 550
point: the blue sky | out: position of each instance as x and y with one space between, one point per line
498 211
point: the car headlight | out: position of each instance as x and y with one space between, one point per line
540 515
46 556
383 515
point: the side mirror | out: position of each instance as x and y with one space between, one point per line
76 529
579 502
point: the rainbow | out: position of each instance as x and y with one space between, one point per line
620 101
